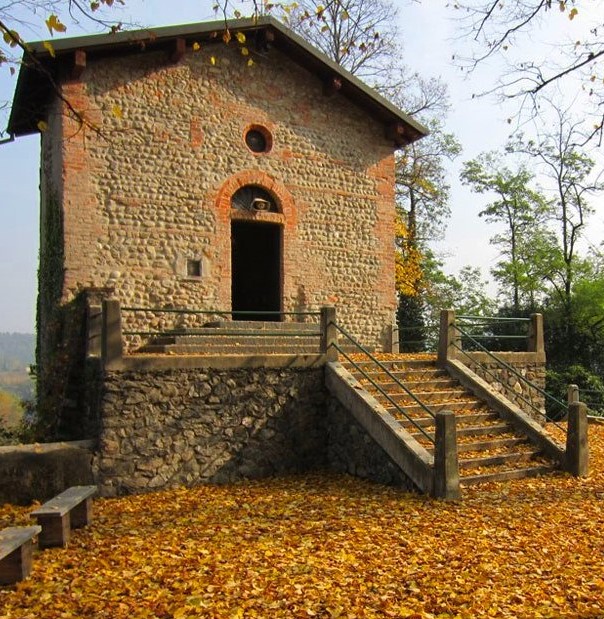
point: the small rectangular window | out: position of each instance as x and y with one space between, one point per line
193 268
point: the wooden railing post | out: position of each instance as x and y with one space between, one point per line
329 333
94 323
394 344
112 345
447 337
93 303
446 462
577 448
535 336
572 394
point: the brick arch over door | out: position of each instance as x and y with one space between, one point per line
261 179
285 219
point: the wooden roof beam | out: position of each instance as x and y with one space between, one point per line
397 132
332 85
179 47
79 64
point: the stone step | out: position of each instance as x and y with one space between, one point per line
260 325
498 427
498 459
220 339
395 368
492 445
429 385
477 418
533 471
473 431
427 397
404 365
426 422
230 349
412 380
456 406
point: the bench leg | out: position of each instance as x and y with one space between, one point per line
17 565
56 530
81 514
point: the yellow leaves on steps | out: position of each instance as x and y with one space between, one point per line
328 546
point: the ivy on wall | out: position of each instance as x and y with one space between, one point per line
50 353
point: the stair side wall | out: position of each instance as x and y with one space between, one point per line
351 450
529 365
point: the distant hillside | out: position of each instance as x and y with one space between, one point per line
17 351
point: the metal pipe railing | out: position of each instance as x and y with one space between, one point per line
511 369
490 319
175 310
389 374
225 332
428 333
595 406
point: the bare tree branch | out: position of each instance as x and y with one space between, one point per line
495 26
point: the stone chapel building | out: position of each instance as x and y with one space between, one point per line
201 181
181 171
210 184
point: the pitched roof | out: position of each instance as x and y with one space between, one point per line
35 83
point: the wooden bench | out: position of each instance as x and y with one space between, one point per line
69 510
16 553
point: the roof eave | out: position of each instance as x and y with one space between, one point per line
400 127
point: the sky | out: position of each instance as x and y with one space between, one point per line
430 38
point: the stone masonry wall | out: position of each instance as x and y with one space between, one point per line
166 428
154 189
173 427
508 384
351 450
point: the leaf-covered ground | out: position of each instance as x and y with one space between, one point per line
329 546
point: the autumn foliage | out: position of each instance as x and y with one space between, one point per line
328 546
407 261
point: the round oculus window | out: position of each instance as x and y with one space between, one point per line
258 140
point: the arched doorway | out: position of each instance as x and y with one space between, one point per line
255 269
256 255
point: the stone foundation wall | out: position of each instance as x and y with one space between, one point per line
167 428
506 382
185 427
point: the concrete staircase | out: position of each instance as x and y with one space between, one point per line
489 448
239 337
